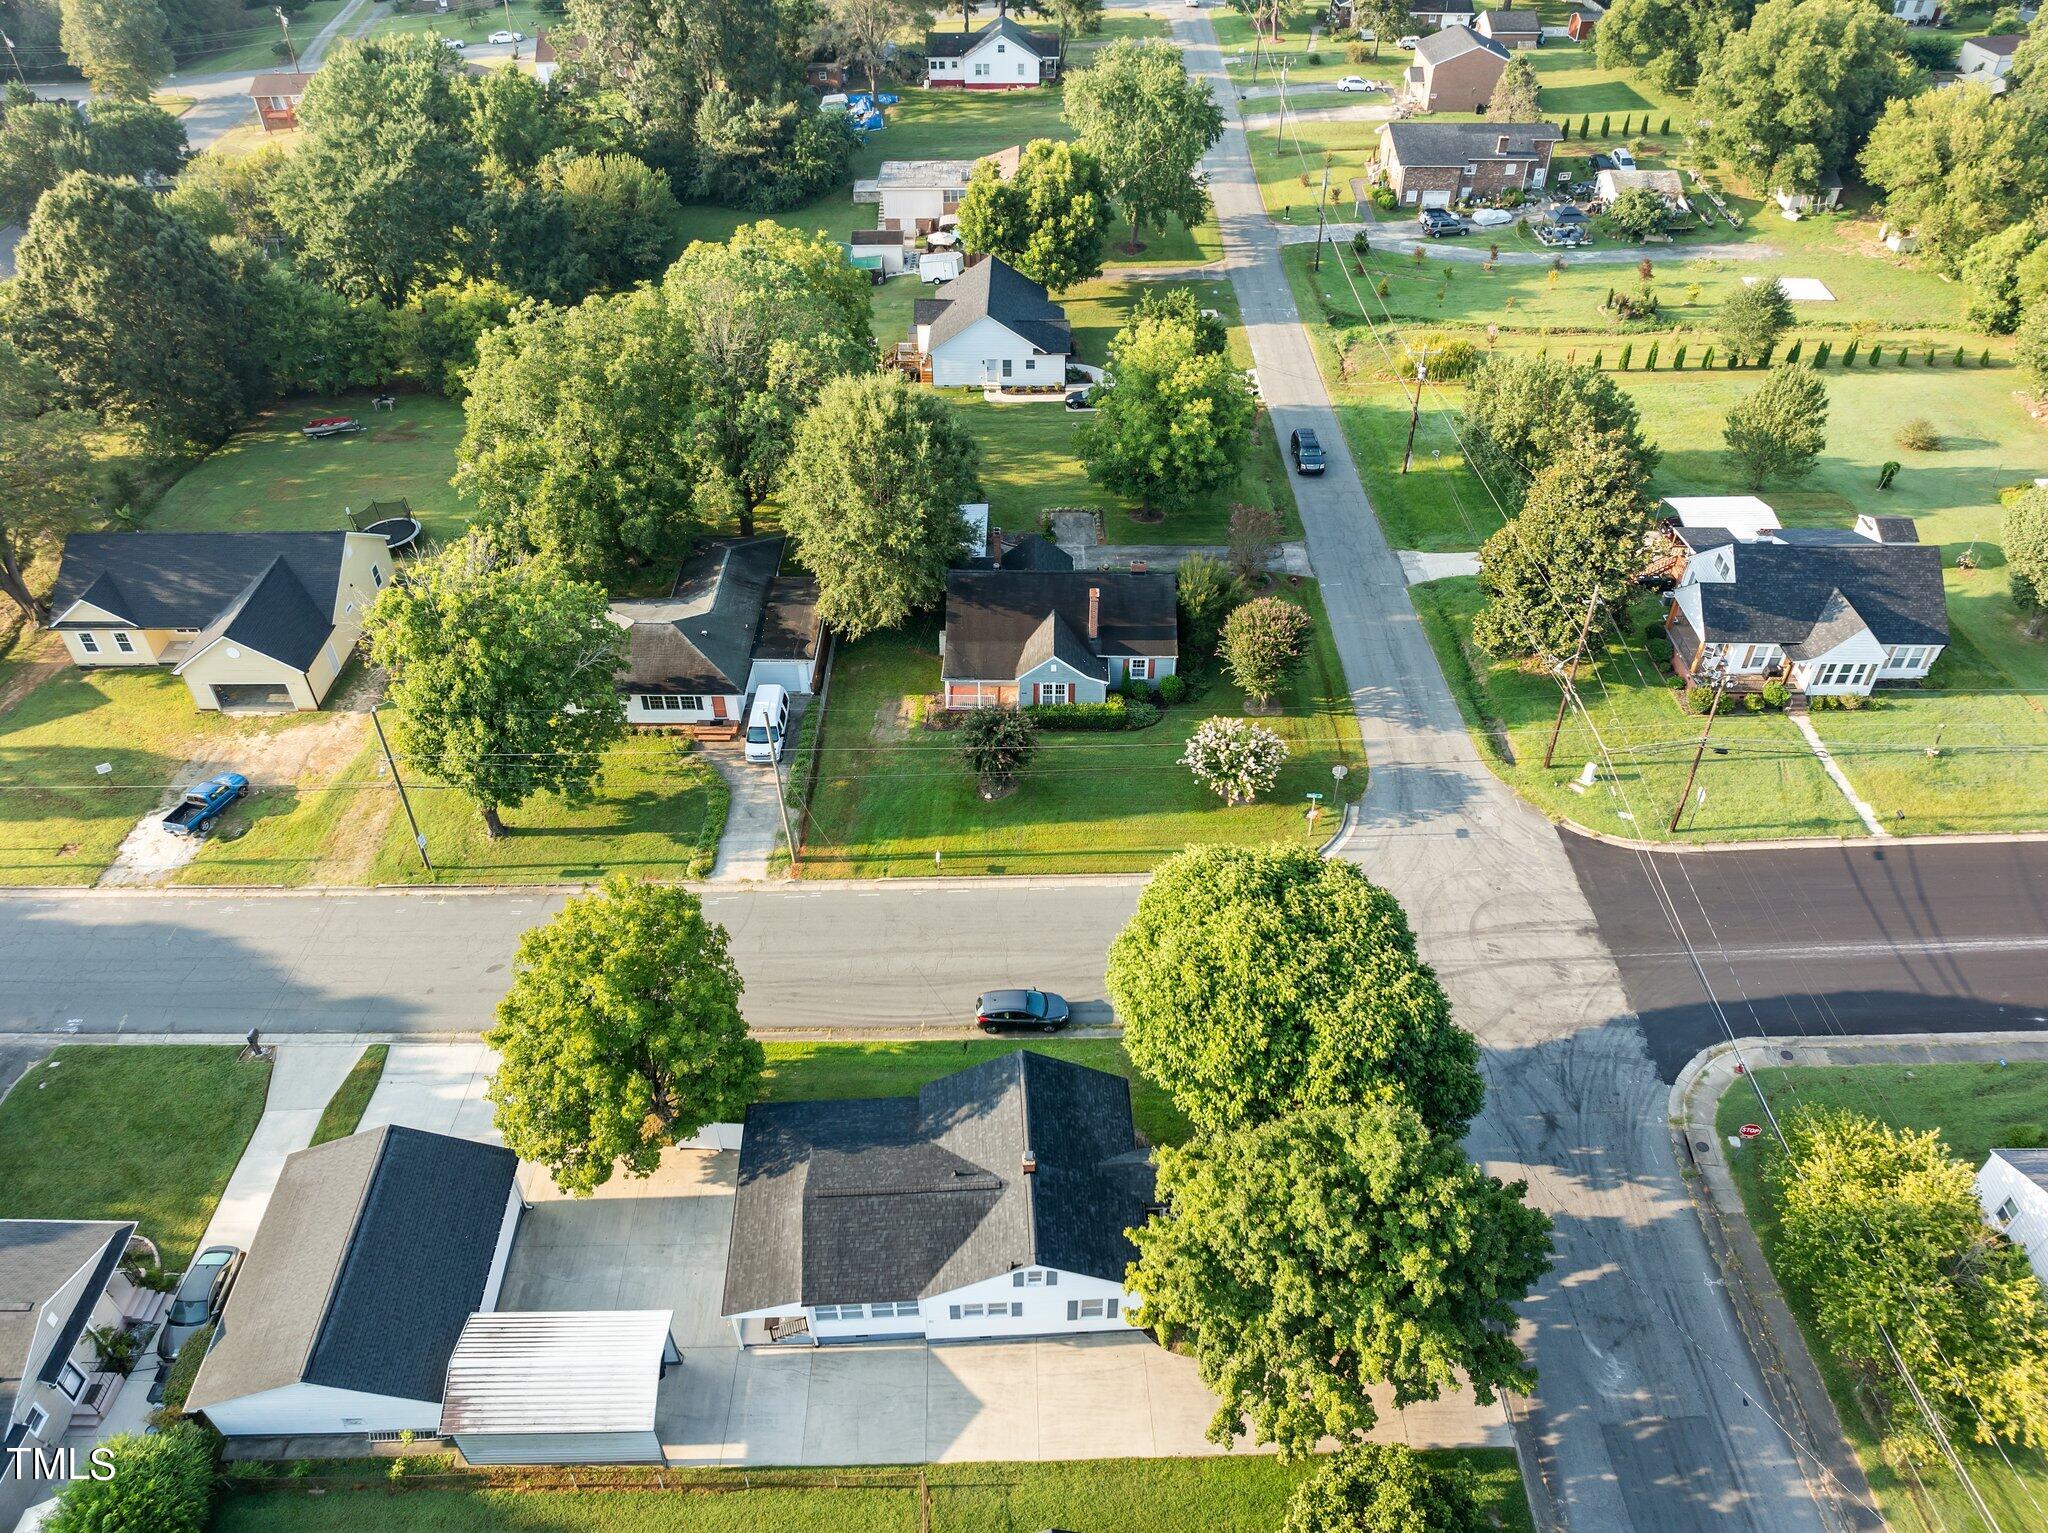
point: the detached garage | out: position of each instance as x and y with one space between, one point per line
559 1387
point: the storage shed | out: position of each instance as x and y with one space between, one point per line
558 1386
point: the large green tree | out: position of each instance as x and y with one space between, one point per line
1175 421
1256 981
1991 274
2026 548
623 218
1049 220
46 469
1305 1260
579 436
1580 531
135 138
1958 165
1147 124
219 193
1522 411
863 33
1386 1488
118 45
503 673
1880 1228
2031 345
1514 97
132 311
384 178
621 1034
872 495
771 317
1668 42
41 142
1753 319
1265 642
1778 431
1794 96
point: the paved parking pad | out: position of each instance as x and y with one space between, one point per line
661 1243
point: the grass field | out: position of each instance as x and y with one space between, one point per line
527 16
268 476
148 1133
1976 1108
344 1110
1211 1495
253 43
891 793
316 832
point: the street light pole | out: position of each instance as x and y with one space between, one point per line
1322 202
11 54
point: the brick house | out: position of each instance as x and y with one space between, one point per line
1434 164
1455 70
277 98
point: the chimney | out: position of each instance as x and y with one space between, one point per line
1030 1162
1094 612
1138 566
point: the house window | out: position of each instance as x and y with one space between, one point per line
1757 657
981 70
2006 1210
895 1310
89 644
1008 366
1472 170
1091 1309
376 577
1055 692
124 644
1033 1277
662 702
1140 668
1030 366
1907 657
72 1381
38 1418
838 1311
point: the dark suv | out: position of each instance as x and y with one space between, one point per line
1308 452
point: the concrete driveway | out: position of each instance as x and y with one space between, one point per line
661 1243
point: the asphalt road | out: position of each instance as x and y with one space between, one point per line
1827 940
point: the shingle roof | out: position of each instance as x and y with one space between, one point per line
372 1253
1454 143
1452 42
276 589
901 1198
283 82
2031 1164
37 1258
993 617
1498 22
2001 44
1795 595
998 291
1442 8
702 636
1032 551
953 45
1896 529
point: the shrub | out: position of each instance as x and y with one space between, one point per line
1312 57
1264 643
1206 591
1236 758
1919 435
161 1484
1374 1487
1876 353
1650 362
1107 715
1357 53
178 1382
1658 642
1678 362
1776 694
1172 689
1849 352
1793 355
1752 703
997 744
1820 354
1698 699
1361 244
1141 715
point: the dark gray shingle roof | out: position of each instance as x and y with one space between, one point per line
372 1253
1438 144
1031 551
993 616
37 1258
953 45
1454 41
1783 592
998 291
1511 21
701 637
900 1198
2031 1164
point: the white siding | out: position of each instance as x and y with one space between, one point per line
907 204
316 1410
507 1228
640 711
1909 662
1850 667
975 357
1049 1309
793 676
2028 1226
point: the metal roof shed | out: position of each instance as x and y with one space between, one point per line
558 1387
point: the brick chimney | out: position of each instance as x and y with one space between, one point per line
1138 566
1094 613
1030 1162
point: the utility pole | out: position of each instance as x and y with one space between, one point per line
1322 202
284 23
1571 672
1415 409
11 54
508 27
391 761
782 803
1720 689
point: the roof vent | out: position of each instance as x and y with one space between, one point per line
1030 1161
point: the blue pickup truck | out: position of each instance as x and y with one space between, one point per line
194 814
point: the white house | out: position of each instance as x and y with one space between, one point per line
918 196
1826 610
1023 633
733 622
1001 56
261 620
990 327
1917 13
373 1253
2012 1188
1988 60
991 1204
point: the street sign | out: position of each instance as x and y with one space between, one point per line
1750 1130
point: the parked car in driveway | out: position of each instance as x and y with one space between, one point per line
202 1294
203 803
1037 1011
1411 42
1354 83
1081 399
1437 223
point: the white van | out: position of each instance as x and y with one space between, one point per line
767 724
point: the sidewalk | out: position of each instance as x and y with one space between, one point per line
1799 1400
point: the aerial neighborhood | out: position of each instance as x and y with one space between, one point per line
1126 766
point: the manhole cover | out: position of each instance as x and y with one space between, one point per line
1784 1053
1700 1146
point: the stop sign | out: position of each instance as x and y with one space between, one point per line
1751 1130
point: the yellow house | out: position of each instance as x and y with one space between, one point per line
251 620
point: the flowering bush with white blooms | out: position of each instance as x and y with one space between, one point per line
1236 757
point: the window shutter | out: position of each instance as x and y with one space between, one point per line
1111 1310
1051 1279
1073 1309
1017 1278
1016 1312
955 1309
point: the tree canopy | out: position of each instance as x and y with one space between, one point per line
1668 42
1049 220
1521 412
1256 981
1958 165
162 1483
1753 318
120 46
1175 421
46 469
1515 93
1304 1260
872 496
1147 123
503 673
2026 548
1779 430
621 1034
1385 1488
1264 644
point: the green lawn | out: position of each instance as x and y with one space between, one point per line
891 793
268 476
527 16
800 1072
148 1133
1977 1108
1167 1495
310 833
344 1110
252 44
658 813
1767 784
1235 36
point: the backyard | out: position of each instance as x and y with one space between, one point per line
143 1132
893 799
1977 1108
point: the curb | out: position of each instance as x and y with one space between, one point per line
794 887
1802 843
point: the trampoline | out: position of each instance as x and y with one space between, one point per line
391 520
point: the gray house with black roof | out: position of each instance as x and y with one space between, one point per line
249 620
990 327
1022 637
994 1203
373 1253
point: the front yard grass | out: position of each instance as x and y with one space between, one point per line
1977 1108
143 1132
344 1110
891 793
1163 1495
